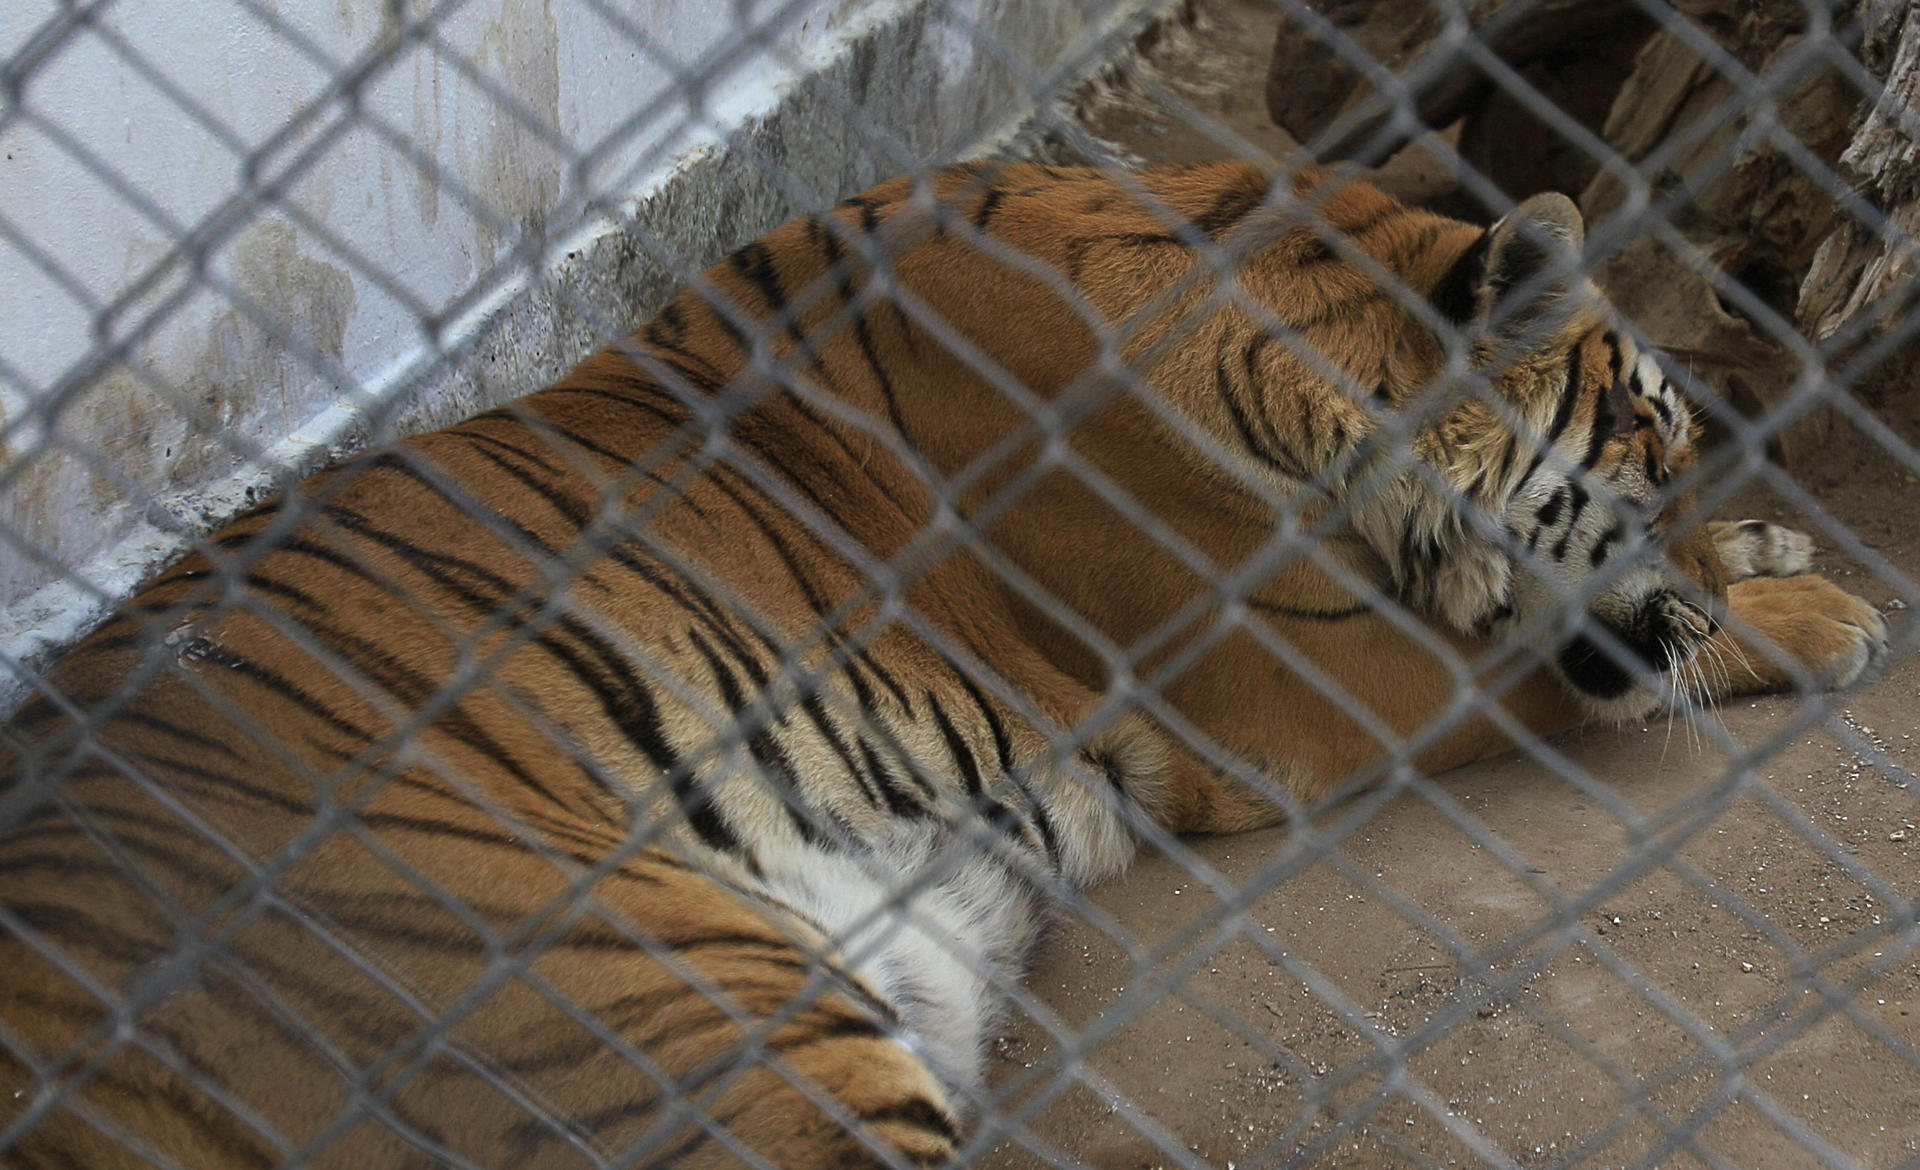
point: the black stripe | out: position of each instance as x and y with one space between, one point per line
220 783
1569 395
671 1156
1304 613
201 650
1456 297
1608 538
1229 208
996 813
831 732
1388 213
63 861
918 1112
988 206
223 1138
71 921
1104 763
570 510
1485 489
963 756
624 462
863 334
775 764
1562 414
280 591
798 1037
668 328
755 262
1132 240
900 801
172 730
1580 498
1002 742
441 827
869 212
57 825
1549 512
1602 430
710 381
1341 311
1078 250
479 439
860 462
1268 451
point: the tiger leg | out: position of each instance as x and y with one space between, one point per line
448 998
660 1015
1328 693
1365 687
1755 548
1788 628
1782 633
1788 633
775 1054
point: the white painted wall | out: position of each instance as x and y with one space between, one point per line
214 261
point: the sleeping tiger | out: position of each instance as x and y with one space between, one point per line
672 767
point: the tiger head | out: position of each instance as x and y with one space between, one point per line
1612 548
1611 567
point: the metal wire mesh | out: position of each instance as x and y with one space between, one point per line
188 181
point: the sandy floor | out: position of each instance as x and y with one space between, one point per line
1694 954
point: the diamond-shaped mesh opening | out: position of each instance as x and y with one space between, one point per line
1054 662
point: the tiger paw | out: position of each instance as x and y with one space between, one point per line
1755 548
1788 632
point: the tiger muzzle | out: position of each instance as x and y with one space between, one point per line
1663 632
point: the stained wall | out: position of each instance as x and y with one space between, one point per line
237 237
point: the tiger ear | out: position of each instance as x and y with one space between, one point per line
1522 280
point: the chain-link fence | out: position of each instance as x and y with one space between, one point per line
674 770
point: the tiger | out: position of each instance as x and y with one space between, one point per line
674 767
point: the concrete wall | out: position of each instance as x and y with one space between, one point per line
234 233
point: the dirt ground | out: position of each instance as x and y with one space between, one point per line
1698 951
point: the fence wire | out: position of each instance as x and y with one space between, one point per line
1571 956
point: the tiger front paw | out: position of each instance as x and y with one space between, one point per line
1755 548
1788 632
